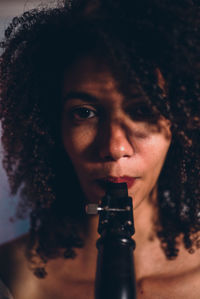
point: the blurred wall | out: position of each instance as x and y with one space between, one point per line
9 229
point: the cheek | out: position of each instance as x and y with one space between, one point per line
77 140
155 154
152 157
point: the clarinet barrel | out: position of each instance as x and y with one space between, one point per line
115 276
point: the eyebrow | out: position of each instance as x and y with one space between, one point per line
80 95
135 99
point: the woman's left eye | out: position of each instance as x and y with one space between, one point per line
83 113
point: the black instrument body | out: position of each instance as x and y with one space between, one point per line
115 277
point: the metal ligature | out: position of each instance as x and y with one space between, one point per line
115 276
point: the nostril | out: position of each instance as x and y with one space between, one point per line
126 156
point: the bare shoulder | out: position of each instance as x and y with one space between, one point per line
11 255
180 287
182 282
12 247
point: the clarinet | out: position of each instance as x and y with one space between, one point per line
115 276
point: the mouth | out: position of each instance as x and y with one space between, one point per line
104 182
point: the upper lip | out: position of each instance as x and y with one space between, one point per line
118 179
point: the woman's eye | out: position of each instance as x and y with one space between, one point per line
83 113
143 113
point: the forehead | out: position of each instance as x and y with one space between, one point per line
88 73
93 76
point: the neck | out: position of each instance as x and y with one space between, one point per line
143 222
83 267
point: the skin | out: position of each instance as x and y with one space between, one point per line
102 144
102 139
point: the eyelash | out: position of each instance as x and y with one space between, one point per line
81 113
143 114
140 135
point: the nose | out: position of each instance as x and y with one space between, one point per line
115 144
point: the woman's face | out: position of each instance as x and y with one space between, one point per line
103 138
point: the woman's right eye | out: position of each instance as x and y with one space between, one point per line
82 113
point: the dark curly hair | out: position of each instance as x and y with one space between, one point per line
135 38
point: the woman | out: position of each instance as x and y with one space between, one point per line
97 93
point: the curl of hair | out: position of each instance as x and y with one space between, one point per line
135 38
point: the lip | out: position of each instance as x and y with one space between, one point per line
116 180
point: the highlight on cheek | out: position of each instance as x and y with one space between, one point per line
162 126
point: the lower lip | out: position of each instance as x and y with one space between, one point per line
129 181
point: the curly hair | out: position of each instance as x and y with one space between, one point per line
135 39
